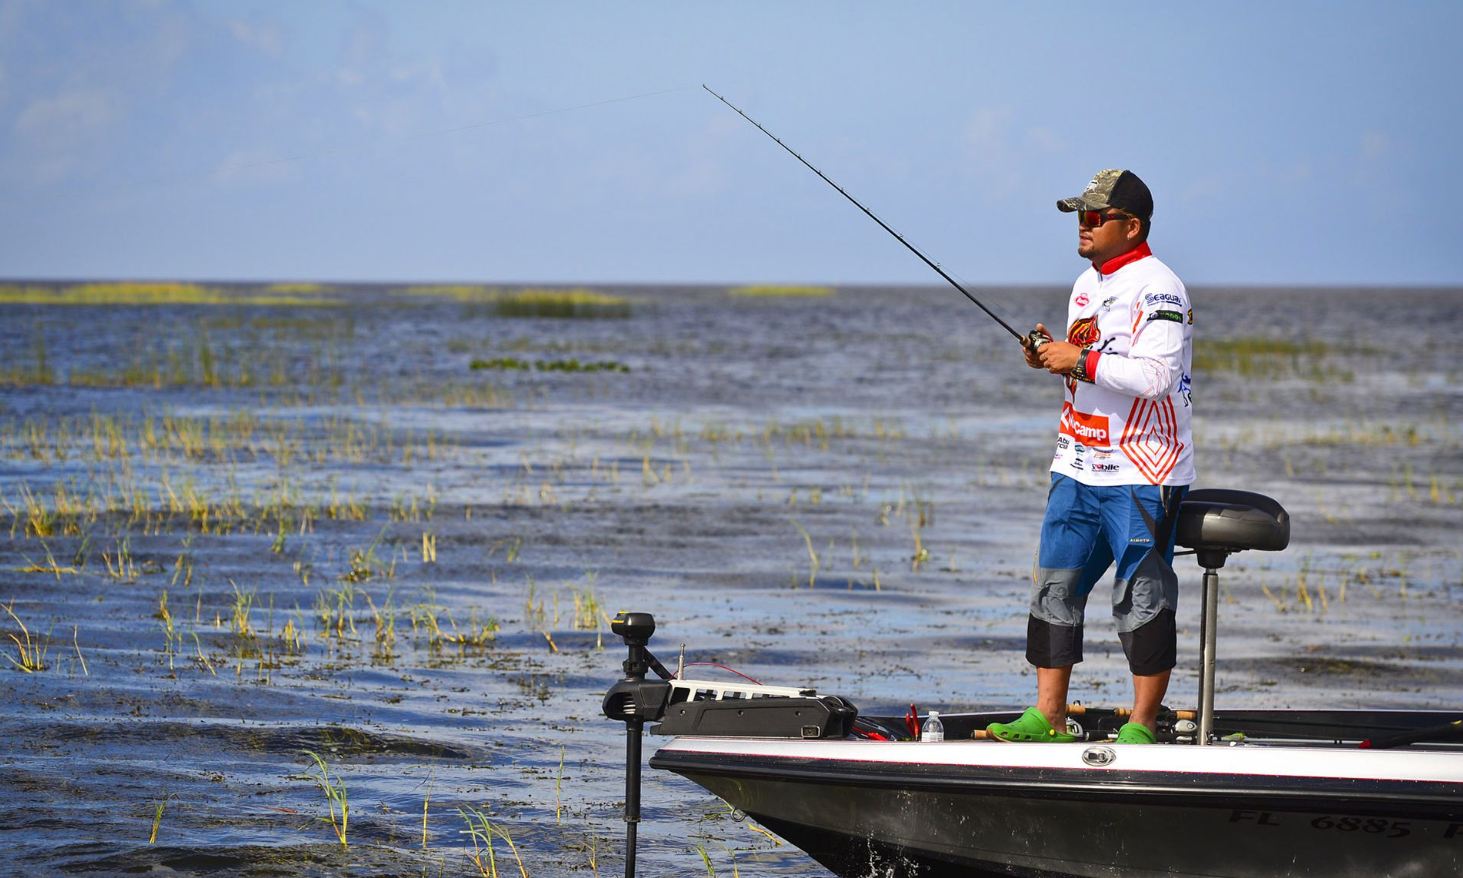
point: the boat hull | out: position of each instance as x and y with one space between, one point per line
879 810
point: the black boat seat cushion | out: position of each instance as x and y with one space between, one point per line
1231 521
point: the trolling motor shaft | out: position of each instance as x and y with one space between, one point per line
634 700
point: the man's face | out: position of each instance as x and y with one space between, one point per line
1114 234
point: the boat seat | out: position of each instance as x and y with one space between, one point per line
1217 522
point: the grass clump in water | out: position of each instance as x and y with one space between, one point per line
1261 356
576 303
32 654
571 365
530 302
296 287
775 291
147 293
335 795
506 364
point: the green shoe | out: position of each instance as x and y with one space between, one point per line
1031 728
1135 733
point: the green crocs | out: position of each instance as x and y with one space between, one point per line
1031 728
1135 733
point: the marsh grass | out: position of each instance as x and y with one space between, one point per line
1268 357
336 797
775 291
157 293
813 562
482 830
31 652
561 304
512 364
528 302
157 821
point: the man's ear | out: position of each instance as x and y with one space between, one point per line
1135 229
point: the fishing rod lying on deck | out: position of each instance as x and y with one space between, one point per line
1033 339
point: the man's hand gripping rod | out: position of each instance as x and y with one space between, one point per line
1032 340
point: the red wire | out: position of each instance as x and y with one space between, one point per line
724 668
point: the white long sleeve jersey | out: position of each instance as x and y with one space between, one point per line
1133 424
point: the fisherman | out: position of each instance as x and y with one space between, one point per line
1124 460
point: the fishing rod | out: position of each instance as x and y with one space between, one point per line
1033 340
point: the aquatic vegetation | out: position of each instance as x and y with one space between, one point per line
575 303
502 364
813 562
157 820
570 365
774 291
335 795
482 830
151 293
1269 357
31 653
529 301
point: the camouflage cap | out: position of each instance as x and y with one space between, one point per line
1113 188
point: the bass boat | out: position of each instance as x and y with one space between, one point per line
1224 794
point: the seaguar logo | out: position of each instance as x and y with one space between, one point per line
1089 430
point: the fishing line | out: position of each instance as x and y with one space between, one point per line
243 166
1028 340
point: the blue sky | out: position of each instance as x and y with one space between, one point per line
1286 143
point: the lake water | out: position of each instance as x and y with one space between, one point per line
235 533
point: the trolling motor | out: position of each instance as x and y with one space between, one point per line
634 700
705 708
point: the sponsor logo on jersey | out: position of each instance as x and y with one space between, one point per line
1175 316
1063 443
1107 304
1163 299
1082 300
1105 467
1090 430
1084 332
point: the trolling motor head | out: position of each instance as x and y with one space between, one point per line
636 698
636 628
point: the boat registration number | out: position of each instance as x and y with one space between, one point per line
1368 825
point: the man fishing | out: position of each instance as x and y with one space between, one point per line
1124 460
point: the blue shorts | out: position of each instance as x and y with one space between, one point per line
1087 528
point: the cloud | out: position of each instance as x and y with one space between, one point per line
266 38
1045 140
68 116
1376 145
988 129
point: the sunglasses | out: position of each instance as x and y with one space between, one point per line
1095 218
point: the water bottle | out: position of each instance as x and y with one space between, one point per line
933 729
